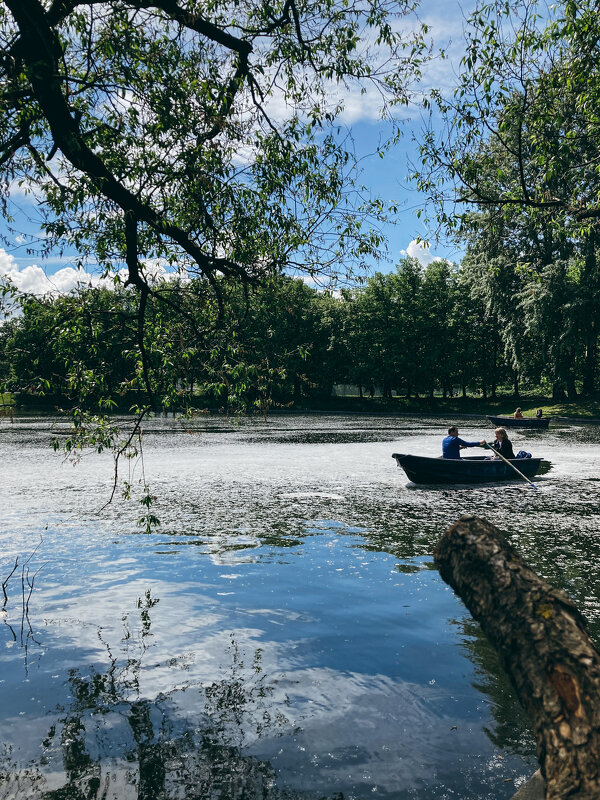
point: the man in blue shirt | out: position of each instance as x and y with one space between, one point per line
452 445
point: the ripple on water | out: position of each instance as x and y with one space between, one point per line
285 623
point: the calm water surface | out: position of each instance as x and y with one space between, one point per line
284 634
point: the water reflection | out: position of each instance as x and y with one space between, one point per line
284 634
511 730
21 630
110 741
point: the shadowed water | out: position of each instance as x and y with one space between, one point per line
284 633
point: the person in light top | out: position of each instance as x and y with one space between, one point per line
502 444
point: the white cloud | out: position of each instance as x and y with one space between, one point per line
8 264
33 280
420 251
446 23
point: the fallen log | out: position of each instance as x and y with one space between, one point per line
543 645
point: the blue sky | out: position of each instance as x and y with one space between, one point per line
383 177
389 177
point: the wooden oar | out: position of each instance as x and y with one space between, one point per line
506 461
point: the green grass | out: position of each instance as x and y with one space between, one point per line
6 399
504 405
581 408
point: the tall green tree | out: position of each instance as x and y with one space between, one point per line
514 168
437 306
195 134
521 130
407 324
550 307
356 336
277 338
482 338
375 307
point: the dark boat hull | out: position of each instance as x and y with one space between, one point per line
525 422
471 469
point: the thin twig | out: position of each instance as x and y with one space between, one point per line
7 580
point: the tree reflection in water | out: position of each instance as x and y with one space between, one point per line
513 727
110 742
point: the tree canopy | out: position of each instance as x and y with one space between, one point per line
198 133
520 131
513 171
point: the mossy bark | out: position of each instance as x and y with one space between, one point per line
542 641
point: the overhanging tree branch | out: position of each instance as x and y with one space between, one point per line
42 52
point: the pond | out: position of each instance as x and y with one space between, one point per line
283 634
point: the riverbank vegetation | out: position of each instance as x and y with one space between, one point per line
181 165
412 339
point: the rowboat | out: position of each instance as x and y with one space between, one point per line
470 469
523 422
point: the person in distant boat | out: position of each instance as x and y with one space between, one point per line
539 413
452 445
502 444
517 414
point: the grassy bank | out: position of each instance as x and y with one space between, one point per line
501 406
7 400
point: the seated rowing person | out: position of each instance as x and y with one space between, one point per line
503 445
452 445
518 414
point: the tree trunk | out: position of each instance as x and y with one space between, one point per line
590 362
543 645
494 368
590 280
325 388
558 392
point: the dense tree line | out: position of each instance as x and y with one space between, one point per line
147 130
413 332
513 171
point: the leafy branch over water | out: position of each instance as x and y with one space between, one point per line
97 433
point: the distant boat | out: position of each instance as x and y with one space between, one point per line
470 469
522 422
